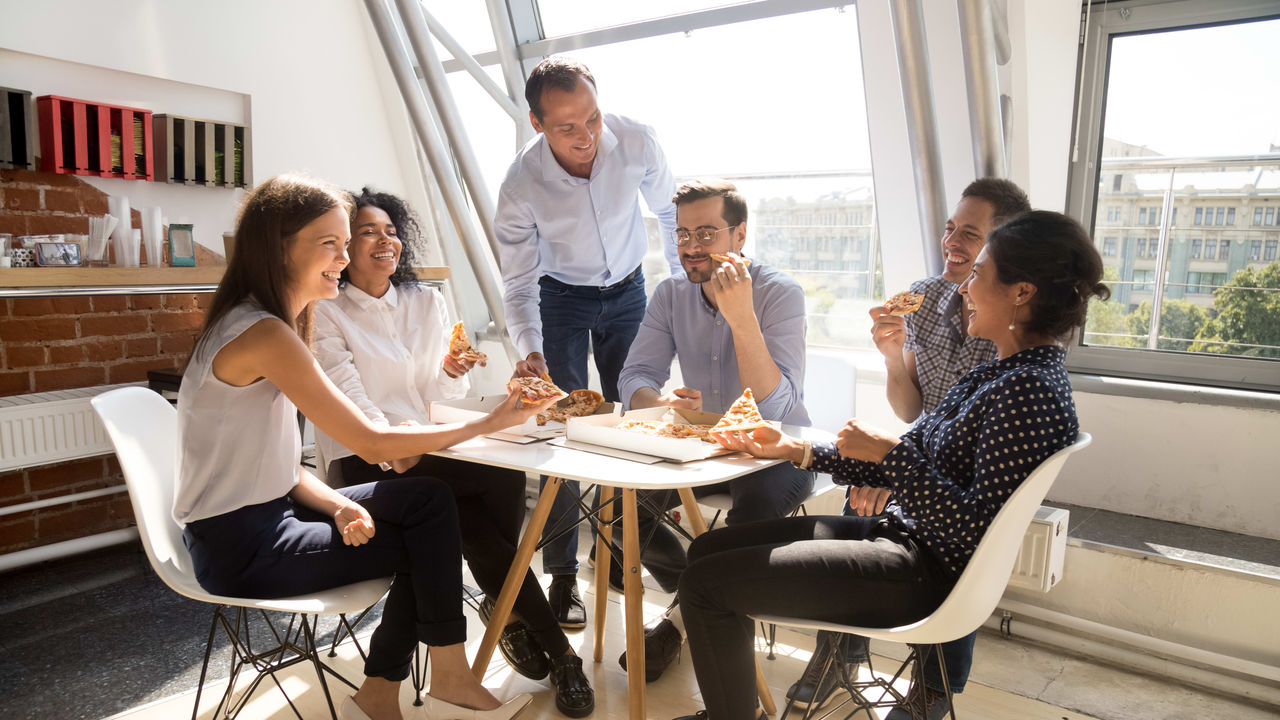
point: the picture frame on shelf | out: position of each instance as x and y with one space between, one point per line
182 246
58 254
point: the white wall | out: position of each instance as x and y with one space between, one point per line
311 85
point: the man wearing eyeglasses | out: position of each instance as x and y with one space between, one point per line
571 239
732 326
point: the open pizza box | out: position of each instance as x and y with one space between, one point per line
467 409
602 430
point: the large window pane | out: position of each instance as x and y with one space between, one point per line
566 17
1201 158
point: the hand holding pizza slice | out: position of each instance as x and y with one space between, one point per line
744 415
721 258
580 403
535 391
460 347
904 303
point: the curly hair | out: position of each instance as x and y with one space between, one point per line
407 229
1053 252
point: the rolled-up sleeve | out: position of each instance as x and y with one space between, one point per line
649 361
517 235
782 323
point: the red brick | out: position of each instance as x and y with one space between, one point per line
65 354
146 302
135 370
204 300
48 224
110 303
92 201
141 347
177 343
32 306
13 223
77 305
25 356
17 532
101 350
168 321
61 201
46 179
110 325
4 307
38 329
65 378
13 486
15 383
79 520
26 200
64 475
180 301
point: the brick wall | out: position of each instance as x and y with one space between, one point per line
78 341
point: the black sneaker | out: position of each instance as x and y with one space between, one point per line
565 602
922 703
661 646
574 696
615 572
518 645
806 691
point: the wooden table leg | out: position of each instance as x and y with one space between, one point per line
695 521
515 577
604 557
634 610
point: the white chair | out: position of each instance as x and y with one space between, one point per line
143 428
969 603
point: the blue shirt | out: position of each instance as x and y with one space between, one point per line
944 351
957 465
579 231
680 322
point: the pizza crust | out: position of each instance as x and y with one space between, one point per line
743 414
460 347
719 257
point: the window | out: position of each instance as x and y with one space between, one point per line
1216 165
1142 218
1109 247
1270 254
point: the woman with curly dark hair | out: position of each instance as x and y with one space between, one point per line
384 342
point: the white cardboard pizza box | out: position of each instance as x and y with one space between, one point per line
467 409
602 430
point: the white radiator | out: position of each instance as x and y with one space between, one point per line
1044 547
49 427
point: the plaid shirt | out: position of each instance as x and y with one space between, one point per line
944 351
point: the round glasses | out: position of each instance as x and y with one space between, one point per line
703 235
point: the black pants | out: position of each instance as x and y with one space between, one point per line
490 502
854 570
277 549
774 492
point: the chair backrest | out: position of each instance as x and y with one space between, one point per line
143 427
983 581
830 382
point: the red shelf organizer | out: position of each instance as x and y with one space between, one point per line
90 138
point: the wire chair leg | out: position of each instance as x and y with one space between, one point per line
204 667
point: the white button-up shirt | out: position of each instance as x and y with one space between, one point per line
385 354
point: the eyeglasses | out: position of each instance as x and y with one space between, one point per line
704 235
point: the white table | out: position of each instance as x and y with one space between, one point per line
561 463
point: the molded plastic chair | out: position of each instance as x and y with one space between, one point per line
969 603
143 428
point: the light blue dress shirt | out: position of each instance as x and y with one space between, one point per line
680 322
579 231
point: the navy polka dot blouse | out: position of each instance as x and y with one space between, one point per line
957 465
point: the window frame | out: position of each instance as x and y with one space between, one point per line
1108 21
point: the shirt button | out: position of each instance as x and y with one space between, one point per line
718 322
715 357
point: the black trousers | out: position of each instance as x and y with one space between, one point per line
277 549
774 492
490 502
854 570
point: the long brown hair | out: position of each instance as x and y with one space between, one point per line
271 216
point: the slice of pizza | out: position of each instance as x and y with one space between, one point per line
460 347
688 430
904 303
580 403
744 414
535 391
718 257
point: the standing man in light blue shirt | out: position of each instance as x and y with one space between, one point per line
572 238
733 326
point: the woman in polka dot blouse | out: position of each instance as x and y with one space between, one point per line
940 484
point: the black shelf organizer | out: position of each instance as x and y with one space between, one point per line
192 151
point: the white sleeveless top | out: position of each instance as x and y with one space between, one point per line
238 446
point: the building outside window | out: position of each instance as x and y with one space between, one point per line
1109 247
1231 216
1255 250
1257 216
1195 249
1224 249
1199 216
1270 253
1271 216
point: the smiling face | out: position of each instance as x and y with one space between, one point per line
990 304
572 123
316 256
966 234
706 213
374 250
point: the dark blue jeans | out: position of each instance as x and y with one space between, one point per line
575 318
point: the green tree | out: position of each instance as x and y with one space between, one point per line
1180 323
1247 312
1107 320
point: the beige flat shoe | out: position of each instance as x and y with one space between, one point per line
438 709
351 711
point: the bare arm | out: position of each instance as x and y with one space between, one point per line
889 332
682 397
733 292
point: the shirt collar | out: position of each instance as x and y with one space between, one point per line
365 301
1040 355
551 168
